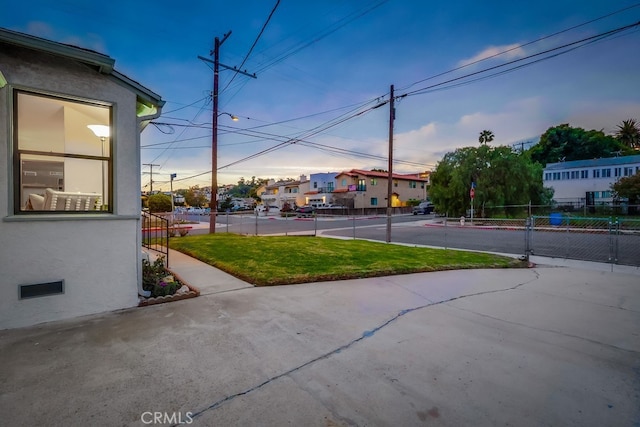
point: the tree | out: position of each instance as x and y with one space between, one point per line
226 204
629 134
485 137
194 196
566 143
629 188
502 175
159 203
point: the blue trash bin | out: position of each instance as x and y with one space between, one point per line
555 218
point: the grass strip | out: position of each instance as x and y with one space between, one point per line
284 260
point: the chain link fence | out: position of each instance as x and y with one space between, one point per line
614 240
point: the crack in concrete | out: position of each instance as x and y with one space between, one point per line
365 334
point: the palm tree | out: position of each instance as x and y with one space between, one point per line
629 134
486 136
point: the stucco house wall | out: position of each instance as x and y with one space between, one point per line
97 256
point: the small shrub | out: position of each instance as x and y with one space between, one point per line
155 278
159 203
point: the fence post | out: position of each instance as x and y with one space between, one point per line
613 241
354 226
315 224
527 237
446 216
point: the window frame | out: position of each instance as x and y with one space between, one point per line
16 154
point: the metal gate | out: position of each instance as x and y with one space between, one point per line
608 240
155 234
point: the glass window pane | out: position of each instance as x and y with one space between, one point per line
72 159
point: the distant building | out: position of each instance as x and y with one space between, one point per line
281 192
321 186
572 181
369 189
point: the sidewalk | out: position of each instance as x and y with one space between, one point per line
207 279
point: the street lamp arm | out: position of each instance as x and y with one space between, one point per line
233 117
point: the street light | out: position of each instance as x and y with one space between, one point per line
233 117
213 204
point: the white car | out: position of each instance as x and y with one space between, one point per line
267 210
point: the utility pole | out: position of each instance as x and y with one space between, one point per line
151 165
213 205
173 208
392 116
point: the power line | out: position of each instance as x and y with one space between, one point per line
253 45
341 23
521 46
584 40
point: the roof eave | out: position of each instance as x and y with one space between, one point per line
103 63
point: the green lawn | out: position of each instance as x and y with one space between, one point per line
282 260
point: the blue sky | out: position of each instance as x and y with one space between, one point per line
323 61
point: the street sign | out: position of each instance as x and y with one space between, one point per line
472 193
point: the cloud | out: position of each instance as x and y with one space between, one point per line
506 52
517 121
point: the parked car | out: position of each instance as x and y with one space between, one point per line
305 211
264 210
424 208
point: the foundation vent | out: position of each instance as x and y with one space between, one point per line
41 289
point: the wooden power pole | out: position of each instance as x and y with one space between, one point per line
213 205
392 116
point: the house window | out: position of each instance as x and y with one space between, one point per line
606 173
606 194
395 183
330 187
596 173
412 184
617 172
374 201
628 171
374 181
62 155
343 183
362 185
565 175
315 184
584 174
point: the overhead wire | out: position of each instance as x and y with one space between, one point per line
520 46
253 45
439 86
578 42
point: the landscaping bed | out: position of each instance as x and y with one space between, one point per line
164 285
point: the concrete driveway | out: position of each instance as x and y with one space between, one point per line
544 346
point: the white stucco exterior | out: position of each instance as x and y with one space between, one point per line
572 180
97 256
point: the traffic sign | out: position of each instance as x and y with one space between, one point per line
472 193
